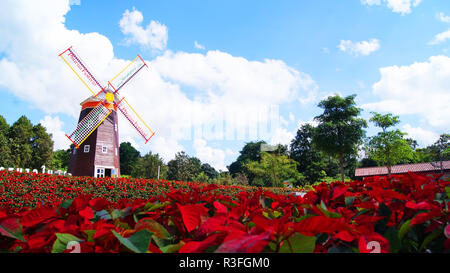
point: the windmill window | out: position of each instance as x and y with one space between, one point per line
116 151
100 172
86 148
104 149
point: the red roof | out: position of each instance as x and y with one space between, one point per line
419 167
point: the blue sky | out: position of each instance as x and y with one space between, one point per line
250 54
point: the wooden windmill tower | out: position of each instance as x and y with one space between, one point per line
96 137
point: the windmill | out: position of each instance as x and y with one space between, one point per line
96 137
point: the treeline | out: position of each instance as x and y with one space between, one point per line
24 145
326 152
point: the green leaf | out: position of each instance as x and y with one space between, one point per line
433 235
11 227
90 233
406 226
120 214
62 239
138 242
65 204
328 213
103 214
385 211
151 225
349 200
172 248
447 191
340 249
392 235
299 243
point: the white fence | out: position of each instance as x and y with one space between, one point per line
27 170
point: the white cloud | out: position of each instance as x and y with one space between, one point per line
75 2
443 18
281 136
440 38
215 157
311 122
398 6
421 88
33 33
54 127
198 46
424 137
291 117
356 49
154 36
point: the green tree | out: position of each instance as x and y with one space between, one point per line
128 157
272 170
60 159
147 167
442 149
5 150
310 160
340 131
388 147
250 152
202 177
20 134
183 167
41 146
209 171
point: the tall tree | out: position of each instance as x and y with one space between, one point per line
272 170
128 157
442 148
42 147
147 167
5 150
60 159
340 131
183 167
20 134
209 171
310 160
388 147
250 152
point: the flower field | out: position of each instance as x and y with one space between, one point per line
45 213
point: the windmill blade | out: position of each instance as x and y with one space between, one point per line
80 69
88 124
135 120
127 73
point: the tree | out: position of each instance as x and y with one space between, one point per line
147 167
20 134
339 132
442 148
128 157
310 160
367 162
272 170
388 147
60 159
5 150
41 146
209 171
250 152
183 167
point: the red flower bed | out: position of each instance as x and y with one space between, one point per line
408 214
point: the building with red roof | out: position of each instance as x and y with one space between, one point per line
428 167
